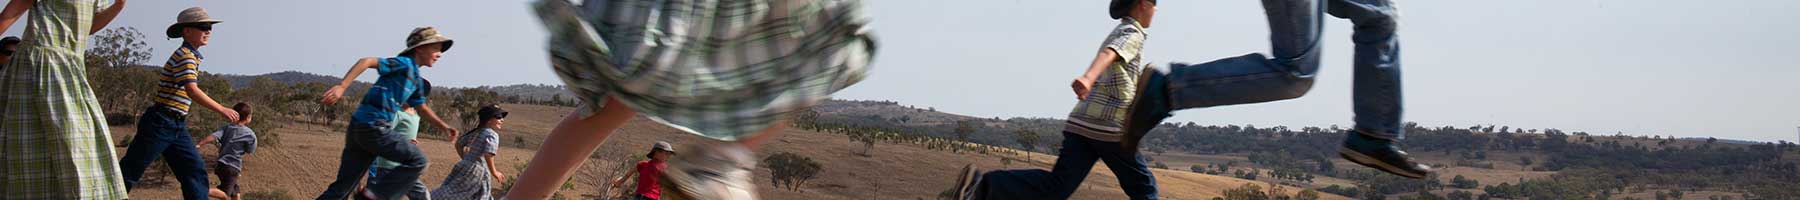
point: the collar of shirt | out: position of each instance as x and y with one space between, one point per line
236 126
194 50
1134 24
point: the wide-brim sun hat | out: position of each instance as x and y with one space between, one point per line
425 35
491 111
664 146
189 17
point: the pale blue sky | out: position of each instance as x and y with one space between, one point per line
1686 68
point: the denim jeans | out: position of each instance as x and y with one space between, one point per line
1295 27
418 192
1072 165
362 143
163 133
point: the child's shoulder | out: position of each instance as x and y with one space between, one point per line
1127 26
239 128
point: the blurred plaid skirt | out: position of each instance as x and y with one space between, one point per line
718 68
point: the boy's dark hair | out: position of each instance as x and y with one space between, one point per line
1121 8
10 40
243 110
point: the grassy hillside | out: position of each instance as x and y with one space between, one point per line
1503 162
306 159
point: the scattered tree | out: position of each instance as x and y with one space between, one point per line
1028 140
791 170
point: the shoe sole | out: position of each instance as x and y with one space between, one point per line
1371 162
1132 138
965 184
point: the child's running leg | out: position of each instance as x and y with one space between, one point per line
227 187
419 191
189 168
566 148
1073 162
718 170
1294 27
396 182
217 194
146 146
1130 168
1294 34
144 151
1376 94
352 164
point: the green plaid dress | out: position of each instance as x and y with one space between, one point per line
717 68
53 136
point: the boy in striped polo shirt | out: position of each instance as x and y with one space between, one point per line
162 129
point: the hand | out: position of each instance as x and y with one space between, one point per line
415 141
1081 86
332 95
449 131
499 176
230 115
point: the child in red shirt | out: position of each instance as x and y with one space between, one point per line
648 188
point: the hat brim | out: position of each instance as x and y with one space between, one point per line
174 30
447 43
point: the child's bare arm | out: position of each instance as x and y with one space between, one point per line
1086 81
193 90
337 91
204 141
432 116
493 170
621 180
567 146
14 10
106 16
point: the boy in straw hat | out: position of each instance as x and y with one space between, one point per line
370 134
162 129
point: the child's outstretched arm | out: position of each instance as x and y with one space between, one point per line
14 10
493 170
193 90
432 116
337 91
621 180
1086 81
209 139
567 146
106 16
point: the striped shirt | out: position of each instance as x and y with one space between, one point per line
182 68
1101 115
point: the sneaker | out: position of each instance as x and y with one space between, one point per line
1148 108
968 182
1382 154
718 171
